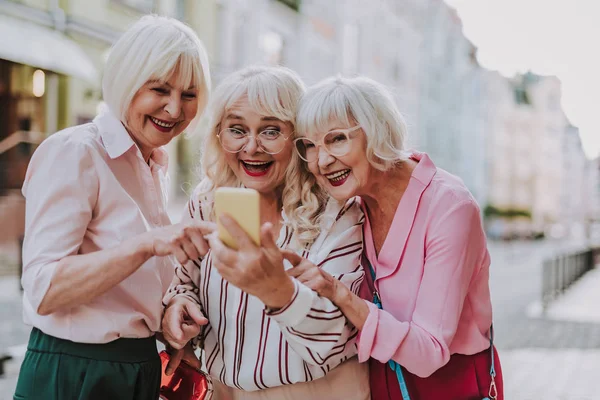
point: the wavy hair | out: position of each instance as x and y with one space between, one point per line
352 101
270 91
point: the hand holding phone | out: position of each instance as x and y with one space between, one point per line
243 205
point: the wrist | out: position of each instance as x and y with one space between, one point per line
342 296
281 296
179 298
142 245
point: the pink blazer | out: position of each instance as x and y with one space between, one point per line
432 277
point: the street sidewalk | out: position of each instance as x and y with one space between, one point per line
563 364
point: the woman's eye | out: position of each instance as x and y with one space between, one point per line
160 90
236 132
270 134
307 144
189 95
335 138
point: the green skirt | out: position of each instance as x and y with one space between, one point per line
58 369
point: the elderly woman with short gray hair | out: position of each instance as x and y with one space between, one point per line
98 237
424 311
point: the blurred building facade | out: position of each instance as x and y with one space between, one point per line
507 138
592 197
575 171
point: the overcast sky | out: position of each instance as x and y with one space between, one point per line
549 37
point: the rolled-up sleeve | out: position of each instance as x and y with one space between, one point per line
454 252
187 276
60 189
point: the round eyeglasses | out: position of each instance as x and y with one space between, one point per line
337 143
270 141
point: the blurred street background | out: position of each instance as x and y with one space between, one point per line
502 93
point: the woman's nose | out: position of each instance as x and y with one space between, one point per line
252 145
173 107
324 158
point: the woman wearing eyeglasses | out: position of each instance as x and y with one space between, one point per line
269 336
429 308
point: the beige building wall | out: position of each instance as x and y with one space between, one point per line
548 141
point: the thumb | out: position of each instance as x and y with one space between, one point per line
189 332
195 314
174 360
292 257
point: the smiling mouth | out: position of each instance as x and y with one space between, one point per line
256 168
338 178
161 125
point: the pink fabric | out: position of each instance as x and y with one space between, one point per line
88 188
432 277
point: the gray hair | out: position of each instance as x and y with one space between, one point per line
352 101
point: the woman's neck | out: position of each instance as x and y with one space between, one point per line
385 190
145 151
270 208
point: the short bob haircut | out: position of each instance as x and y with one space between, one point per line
153 49
352 101
274 92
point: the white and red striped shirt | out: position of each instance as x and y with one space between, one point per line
249 348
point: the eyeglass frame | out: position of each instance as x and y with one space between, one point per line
320 144
256 138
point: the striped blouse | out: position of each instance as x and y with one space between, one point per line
249 348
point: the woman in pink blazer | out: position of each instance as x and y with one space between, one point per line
423 240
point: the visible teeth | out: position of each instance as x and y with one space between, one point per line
338 176
256 162
162 124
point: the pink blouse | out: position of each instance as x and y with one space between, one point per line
432 277
88 188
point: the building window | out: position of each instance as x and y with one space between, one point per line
521 96
396 71
180 10
140 5
293 4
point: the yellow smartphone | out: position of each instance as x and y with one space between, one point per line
241 204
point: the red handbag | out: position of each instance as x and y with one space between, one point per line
186 383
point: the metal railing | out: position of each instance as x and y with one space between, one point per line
21 137
560 272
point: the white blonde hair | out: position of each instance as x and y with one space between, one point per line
273 92
153 49
361 101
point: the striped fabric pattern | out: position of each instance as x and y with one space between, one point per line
250 348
